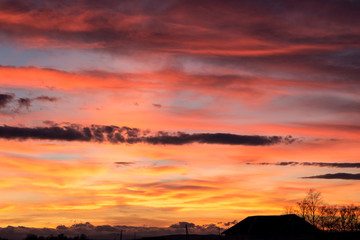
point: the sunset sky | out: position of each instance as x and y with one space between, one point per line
153 112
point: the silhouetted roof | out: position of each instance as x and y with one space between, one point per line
283 224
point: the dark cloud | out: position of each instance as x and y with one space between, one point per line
105 228
83 226
50 133
157 105
108 232
5 99
344 176
61 228
51 123
311 41
227 224
115 134
181 138
173 25
316 164
183 225
24 103
124 163
230 223
46 98
334 165
336 68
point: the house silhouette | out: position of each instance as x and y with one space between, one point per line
279 227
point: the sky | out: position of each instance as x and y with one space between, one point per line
150 113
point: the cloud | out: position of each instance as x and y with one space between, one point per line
216 138
108 232
346 127
264 39
317 164
157 105
222 85
26 102
115 134
174 26
324 103
23 102
124 163
46 99
227 224
183 225
50 133
334 165
173 186
5 99
344 176
230 223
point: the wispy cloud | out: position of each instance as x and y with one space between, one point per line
11 102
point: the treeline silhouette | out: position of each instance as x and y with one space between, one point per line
333 218
58 237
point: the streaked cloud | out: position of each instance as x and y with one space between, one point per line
342 176
124 163
174 26
115 134
315 164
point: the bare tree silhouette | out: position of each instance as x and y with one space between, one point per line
326 217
